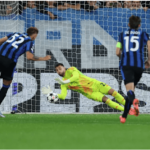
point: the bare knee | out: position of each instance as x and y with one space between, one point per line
130 86
104 99
6 82
111 91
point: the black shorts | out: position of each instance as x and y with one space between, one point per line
7 68
131 74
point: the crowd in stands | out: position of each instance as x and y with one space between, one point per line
6 9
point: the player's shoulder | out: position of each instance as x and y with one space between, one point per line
144 32
121 34
72 68
26 37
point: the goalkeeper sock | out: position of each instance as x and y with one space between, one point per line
3 92
114 105
129 101
119 97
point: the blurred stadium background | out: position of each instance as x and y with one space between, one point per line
81 34
76 33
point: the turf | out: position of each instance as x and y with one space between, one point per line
72 131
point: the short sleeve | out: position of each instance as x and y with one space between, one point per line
30 47
9 35
120 38
63 92
146 37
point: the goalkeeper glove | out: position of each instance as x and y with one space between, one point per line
46 90
60 81
51 97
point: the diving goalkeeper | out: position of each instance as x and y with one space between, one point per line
93 89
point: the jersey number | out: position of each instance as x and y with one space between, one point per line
14 44
103 84
134 39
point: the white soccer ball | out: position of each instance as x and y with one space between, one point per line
52 97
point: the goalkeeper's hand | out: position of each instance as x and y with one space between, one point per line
46 90
60 81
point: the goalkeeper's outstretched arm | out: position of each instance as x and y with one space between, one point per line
75 76
63 92
47 90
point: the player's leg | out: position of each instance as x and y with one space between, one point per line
4 89
7 79
129 99
121 100
117 96
138 75
107 90
130 78
7 72
97 96
3 92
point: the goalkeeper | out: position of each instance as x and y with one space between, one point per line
93 89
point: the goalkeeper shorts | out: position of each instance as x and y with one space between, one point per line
102 90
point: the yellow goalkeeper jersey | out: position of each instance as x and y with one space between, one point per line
79 83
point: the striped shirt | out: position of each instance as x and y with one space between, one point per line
16 45
133 42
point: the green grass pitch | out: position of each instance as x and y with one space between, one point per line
71 131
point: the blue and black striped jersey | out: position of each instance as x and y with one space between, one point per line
133 42
16 45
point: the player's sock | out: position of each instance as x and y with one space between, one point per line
3 92
114 105
119 97
129 101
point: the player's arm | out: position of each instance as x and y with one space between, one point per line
75 76
148 46
147 41
118 49
47 90
147 63
2 40
30 56
63 92
119 45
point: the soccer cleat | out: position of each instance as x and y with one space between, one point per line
136 106
1 115
132 111
122 120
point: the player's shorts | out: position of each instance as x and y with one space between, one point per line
102 90
7 68
131 74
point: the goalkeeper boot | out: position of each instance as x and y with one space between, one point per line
132 111
136 106
1 115
122 120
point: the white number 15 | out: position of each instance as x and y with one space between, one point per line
134 39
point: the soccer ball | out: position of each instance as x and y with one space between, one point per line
52 97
